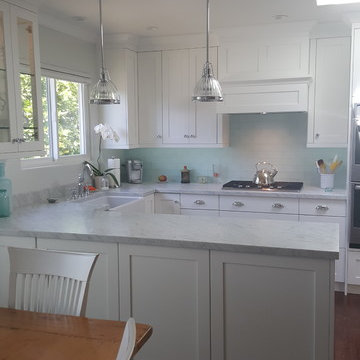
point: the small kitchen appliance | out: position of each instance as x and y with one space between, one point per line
276 186
265 173
134 171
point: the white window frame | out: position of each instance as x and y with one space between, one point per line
55 159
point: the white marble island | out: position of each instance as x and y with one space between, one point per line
251 288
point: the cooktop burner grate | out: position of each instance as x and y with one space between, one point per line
276 186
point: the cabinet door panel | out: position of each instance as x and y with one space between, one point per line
27 79
5 241
150 98
167 204
8 128
329 92
103 291
176 106
270 307
169 289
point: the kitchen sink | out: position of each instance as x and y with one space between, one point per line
110 202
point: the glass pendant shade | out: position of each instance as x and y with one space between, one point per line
208 88
104 92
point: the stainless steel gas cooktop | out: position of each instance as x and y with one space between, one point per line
276 186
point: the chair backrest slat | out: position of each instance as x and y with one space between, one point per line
49 281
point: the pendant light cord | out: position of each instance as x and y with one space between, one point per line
101 41
207 30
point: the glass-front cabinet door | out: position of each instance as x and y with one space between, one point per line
8 124
27 80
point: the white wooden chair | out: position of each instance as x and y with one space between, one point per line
127 344
50 281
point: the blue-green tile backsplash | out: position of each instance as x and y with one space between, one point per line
277 138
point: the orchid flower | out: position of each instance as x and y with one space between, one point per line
106 132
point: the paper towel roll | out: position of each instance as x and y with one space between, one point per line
114 164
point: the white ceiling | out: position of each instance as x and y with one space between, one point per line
175 17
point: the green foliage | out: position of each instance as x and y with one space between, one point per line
67 101
98 172
30 121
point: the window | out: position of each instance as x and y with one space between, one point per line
64 109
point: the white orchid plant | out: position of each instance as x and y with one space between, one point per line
106 133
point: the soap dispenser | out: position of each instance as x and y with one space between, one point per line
5 193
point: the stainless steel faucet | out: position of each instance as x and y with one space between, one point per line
82 189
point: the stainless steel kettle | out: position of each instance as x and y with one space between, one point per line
265 173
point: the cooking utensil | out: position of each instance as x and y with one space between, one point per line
321 166
265 173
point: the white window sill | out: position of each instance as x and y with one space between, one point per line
27 164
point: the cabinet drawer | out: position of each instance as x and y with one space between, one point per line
259 204
354 267
199 202
323 207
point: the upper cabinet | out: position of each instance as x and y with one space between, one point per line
186 122
21 129
264 60
264 75
329 92
123 118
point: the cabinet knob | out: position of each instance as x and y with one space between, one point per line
193 136
186 136
317 135
238 203
176 202
322 208
199 202
278 206
159 136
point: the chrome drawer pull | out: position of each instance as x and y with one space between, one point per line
322 208
357 187
278 206
238 203
199 202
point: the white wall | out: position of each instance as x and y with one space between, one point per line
57 50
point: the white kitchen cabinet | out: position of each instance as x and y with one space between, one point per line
186 122
167 203
21 126
354 267
259 204
340 263
104 286
329 92
199 202
123 117
169 289
199 212
150 98
279 302
265 59
149 204
5 242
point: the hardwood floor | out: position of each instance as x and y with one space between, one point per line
347 326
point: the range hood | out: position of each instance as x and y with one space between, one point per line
285 95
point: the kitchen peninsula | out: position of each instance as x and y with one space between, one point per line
245 288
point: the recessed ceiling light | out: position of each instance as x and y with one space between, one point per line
280 16
336 2
152 28
78 18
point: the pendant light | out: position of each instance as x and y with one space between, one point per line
208 88
105 91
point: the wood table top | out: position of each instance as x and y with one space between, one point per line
26 335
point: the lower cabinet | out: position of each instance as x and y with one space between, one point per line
167 203
5 242
270 307
169 289
340 263
103 291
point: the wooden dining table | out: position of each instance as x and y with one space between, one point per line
27 335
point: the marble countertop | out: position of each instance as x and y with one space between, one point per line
216 189
78 221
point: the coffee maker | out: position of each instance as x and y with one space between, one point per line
134 171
